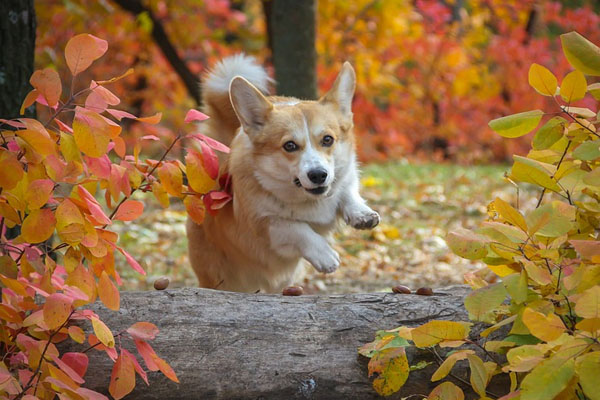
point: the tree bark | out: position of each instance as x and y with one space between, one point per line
17 38
225 345
292 29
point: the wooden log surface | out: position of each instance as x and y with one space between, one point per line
226 345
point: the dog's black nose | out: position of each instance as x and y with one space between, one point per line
317 175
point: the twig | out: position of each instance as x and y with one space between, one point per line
145 177
37 371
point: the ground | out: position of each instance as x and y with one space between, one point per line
418 205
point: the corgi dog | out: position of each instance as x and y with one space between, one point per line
294 174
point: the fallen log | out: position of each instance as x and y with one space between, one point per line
226 345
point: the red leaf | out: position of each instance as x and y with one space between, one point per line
93 206
214 201
132 263
150 137
211 142
99 166
68 370
195 115
129 210
122 378
209 160
143 331
166 369
120 114
82 50
137 366
78 362
147 353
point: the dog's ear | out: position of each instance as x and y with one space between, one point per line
342 91
250 105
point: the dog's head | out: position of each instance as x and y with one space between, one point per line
298 146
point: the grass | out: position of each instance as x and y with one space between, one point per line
418 204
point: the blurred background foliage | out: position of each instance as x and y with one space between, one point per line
431 74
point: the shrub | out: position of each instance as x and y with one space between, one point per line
51 174
547 261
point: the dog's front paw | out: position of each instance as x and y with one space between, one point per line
323 258
362 218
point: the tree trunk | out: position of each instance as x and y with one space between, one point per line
292 37
17 38
225 345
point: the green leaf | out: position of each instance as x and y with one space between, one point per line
516 125
542 80
482 302
573 87
547 379
557 219
536 172
516 285
467 244
549 133
588 369
587 151
478 378
582 54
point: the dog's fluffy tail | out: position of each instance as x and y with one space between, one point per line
223 122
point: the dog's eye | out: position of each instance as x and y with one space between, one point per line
290 146
327 140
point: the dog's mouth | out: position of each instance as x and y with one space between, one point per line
318 190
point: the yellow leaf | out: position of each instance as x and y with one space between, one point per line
161 194
38 226
82 279
69 223
542 80
588 305
573 87
195 208
546 328
47 82
198 179
171 178
93 144
38 193
29 100
392 368
39 140
503 270
82 50
102 332
435 331
448 363
108 292
509 214
57 309
11 171
77 334
68 147
446 391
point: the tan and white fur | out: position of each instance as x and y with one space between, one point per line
287 198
